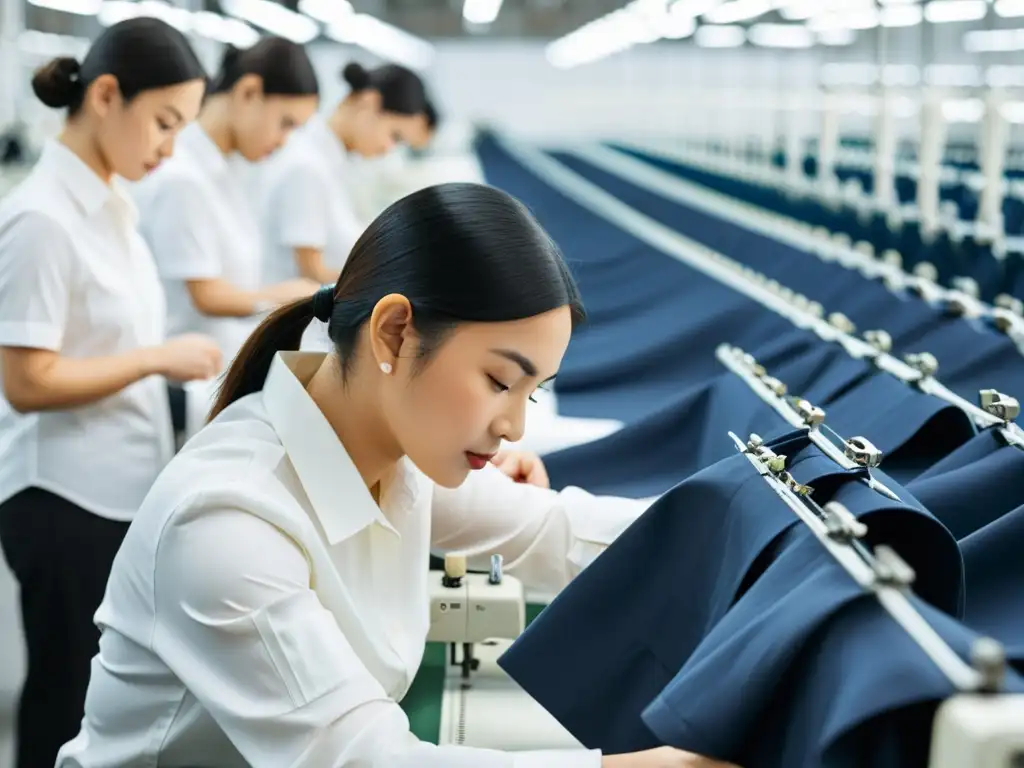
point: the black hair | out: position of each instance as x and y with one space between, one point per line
143 53
283 66
401 90
459 252
430 111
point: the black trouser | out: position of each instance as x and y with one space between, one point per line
61 556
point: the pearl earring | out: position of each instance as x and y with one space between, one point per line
386 368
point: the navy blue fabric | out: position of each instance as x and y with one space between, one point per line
800 672
961 346
640 610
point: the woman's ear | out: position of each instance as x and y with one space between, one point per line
391 329
370 100
104 92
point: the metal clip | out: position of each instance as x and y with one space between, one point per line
988 657
862 452
999 405
811 414
922 362
794 486
840 525
1006 320
893 258
496 570
773 286
816 310
842 323
880 340
865 248
891 569
1012 303
926 271
776 386
967 285
752 365
801 302
776 463
754 443
958 305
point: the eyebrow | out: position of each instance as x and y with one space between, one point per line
524 362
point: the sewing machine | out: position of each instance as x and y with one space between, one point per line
980 731
468 608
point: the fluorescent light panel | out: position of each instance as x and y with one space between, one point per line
715 36
384 40
901 16
780 36
481 11
274 18
946 11
1009 9
739 10
77 7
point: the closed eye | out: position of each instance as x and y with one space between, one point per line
498 386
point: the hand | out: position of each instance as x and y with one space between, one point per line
663 757
188 357
523 467
291 290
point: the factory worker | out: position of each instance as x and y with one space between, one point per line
84 415
195 211
269 606
309 215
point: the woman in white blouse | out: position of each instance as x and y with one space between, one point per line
309 216
196 213
84 418
270 604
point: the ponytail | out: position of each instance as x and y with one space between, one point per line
281 331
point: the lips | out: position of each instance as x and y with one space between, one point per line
478 460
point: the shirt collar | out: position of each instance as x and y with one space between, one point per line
87 189
340 498
198 144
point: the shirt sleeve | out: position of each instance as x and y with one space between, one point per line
300 208
181 230
545 537
242 629
36 266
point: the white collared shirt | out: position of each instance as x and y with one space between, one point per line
307 202
200 224
76 278
264 611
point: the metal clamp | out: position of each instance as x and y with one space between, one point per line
966 285
879 340
752 365
999 405
811 414
841 525
862 452
1006 320
988 657
893 258
890 569
842 323
777 387
1012 303
926 271
922 362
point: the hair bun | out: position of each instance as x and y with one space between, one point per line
356 76
57 83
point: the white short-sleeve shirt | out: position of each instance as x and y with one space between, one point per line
306 201
200 224
264 611
76 278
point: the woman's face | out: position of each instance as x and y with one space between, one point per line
136 136
376 132
261 123
455 409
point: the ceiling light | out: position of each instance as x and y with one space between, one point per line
963 110
481 11
993 40
780 36
945 11
78 7
274 18
739 10
1009 9
384 40
866 18
224 30
327 11
713 36
954 75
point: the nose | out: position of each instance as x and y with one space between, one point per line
511 425
166 149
